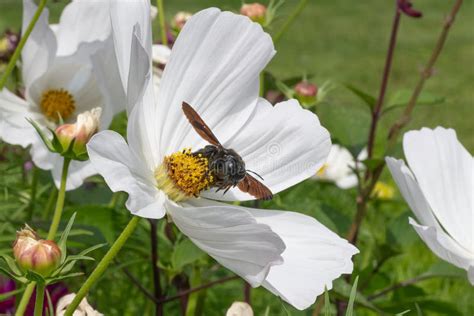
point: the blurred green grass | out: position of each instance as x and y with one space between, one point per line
346 41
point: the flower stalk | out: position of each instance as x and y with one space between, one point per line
19 48
39 299
103 265
373 176
161 18
60 201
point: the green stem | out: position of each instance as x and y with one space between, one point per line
161 17
103 264
39 299
19 48
290 20
53 229
20 310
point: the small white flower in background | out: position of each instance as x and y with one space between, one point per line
160 56
68 69
215 66
239 309
438 187
84 309
339 167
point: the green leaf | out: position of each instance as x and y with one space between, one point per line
11 264
185 253
35 277
327 303
364 96
98 218
419 312
352 298
344 289
372 163
64 276
403 313
4 296
402 97
64 235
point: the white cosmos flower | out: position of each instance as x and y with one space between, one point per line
338 167
84 308
61 75
214 66
438 187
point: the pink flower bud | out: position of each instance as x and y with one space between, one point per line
255 11
35 254
86 126
180 19
306 92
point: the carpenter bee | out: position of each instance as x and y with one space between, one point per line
226 165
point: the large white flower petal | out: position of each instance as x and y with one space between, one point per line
82 21
411 192
14 127
313 258
231 235
131 21
214 66
78 171
284 144
105 68
444 171
40 49
444 246
123 171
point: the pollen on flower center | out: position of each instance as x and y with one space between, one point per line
322 170
56 103
183 175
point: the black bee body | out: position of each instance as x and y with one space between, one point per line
226 166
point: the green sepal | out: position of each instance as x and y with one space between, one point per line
35 277
43 137
64 236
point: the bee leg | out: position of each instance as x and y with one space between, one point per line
227 189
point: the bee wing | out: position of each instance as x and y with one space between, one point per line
254 187
199 125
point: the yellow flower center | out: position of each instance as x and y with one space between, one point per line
56 103
383 191
322 170
183 175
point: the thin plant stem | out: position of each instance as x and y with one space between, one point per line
399 285
21 44
199 288
103 264
154 266
39 299
364 196
161 17
21 308
425 74
383 86
139 285
53 229
301 5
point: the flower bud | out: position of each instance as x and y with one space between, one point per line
8 44
35 254
180 19
255 11
239 309
86 126
306 92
